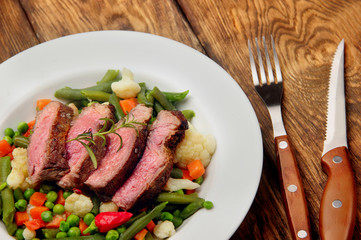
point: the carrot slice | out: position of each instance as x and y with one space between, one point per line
82 227
21 218
55 223
36 212
60 199
37 199
41 103
150 226
34 224
141 234
31 125
128 104
186 175
5 148
196 169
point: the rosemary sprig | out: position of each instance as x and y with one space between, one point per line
87 138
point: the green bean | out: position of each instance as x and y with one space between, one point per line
109 76
8 206
96 205
21 141
3 185
158 107
149 97
141 222
97 236
114 100
134 218
199 180
96 95
176 96
1 205
142 98
177 221
176 198
11 228
162 99
176 173
148 236
18 194
188 114
5 168
68 93
105 87
191 208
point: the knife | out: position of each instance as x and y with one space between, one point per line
338 202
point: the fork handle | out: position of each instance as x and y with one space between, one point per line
292 190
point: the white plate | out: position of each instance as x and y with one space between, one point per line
221 106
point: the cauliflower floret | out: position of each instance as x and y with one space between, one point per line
78 204
28 234
18 176
126 87
174 184
195 146
108 207
164 229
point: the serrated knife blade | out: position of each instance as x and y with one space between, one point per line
338 202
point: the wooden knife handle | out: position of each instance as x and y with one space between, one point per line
292 190
338 202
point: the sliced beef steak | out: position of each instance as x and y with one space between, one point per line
116 166
80 163
153 170
46 151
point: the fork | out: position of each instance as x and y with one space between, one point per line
291 184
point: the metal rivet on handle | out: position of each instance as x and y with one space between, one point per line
283 144
336 204
337 159
292 188
302 234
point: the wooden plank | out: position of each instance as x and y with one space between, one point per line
16 33
52 19
306 35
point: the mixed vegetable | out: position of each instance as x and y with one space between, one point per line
49 212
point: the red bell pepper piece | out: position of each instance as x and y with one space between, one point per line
106 221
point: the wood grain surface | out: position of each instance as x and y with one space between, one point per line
306 35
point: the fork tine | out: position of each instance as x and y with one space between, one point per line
277 63
253 65
260 62
269 66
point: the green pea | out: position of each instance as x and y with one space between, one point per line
64 226
112 235
66 194
19 234
9 140
21 205
61 235
166 216
88 218
23 127
121 229
58 209
9 132
208 204
49 205
46 216
52 196
28 193
74 232
73 220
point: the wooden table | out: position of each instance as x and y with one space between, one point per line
306 34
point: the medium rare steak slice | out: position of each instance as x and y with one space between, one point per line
153 170
80 163
46 151
116 166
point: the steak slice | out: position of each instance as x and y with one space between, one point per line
80 163
153 170
116 166
46 150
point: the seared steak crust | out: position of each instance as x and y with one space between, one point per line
46 151
153 170
116 166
